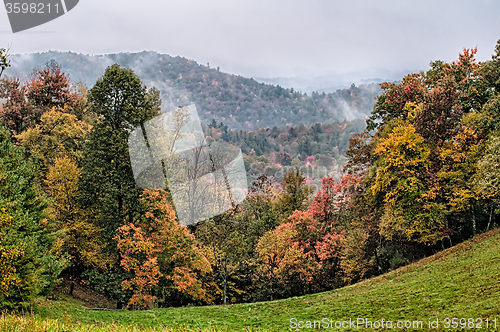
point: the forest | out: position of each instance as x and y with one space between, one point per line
422 176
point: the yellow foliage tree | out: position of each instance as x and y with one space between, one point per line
59 134
398 175
8 255
460 157
82 240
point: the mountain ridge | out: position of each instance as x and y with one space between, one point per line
239 102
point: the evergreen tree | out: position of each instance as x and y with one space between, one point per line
107 183
31 230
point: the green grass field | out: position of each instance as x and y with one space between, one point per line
461 282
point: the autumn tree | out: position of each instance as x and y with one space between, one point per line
439 114
81 238
359 154
358 253
17 113
460 156
295 194
391 103
321 228
403 159
284 266
57 143
335 198
303 254
58 135
466 73
161 255
50 87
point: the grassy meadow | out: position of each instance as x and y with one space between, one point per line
460 282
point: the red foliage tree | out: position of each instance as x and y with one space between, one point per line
391 104
50 87
317 233
16 113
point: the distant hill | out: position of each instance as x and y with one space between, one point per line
241 103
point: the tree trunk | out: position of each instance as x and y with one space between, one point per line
448 236
225 289
491 216
379 265
473 220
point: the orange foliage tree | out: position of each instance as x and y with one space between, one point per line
161 255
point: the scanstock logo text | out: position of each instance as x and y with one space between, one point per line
27 14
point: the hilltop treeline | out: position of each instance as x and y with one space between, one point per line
239 102
422 177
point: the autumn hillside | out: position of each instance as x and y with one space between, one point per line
423 177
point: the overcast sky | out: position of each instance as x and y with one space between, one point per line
270 38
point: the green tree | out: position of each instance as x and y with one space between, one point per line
107 182
107 187
32 229
121 99
229 240
487 179
224 243
8 256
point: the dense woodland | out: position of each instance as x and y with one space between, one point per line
317 151
423 176
238 102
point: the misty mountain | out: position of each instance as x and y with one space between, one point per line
239 102
333 82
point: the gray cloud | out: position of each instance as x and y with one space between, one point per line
273 38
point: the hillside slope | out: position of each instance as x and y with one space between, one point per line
241 103
460 282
